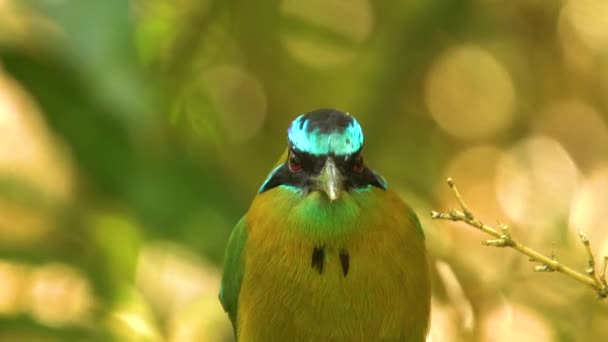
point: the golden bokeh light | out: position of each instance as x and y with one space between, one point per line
583 35
12 280
514 322
469 93
536 180
580 129
603 251
589 205
59 295
30 153
474 170
443 323
345 24
184 289
14 23
171 276
202 320
456 295
132 319
136 327
239 120
589 21
28 148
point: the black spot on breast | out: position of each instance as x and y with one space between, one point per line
318 258
344 261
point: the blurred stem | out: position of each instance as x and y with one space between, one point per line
504 239
603 273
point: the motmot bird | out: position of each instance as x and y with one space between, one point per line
327 251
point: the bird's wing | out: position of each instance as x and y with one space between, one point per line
414 219
233 271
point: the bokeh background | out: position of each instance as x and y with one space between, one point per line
133 135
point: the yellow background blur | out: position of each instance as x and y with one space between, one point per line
133 135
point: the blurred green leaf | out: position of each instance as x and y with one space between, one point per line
24 328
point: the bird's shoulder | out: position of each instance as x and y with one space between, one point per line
392 204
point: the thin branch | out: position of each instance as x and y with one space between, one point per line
465 208
603 273
591 269
503 238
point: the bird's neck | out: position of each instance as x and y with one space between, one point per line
313 215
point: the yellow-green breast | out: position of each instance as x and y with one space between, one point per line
381 294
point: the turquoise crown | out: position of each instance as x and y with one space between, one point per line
325 132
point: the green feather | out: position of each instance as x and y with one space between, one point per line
233 271
416 223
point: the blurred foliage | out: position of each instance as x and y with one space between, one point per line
135 133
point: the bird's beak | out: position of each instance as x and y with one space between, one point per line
330 180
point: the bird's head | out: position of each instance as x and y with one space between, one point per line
324 155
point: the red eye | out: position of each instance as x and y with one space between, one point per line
358 164
295 164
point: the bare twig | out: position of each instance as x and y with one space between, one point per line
503 238
603 273
459 198
591 269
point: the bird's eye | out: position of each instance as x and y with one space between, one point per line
358 164
295 164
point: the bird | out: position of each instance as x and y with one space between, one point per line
326 251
